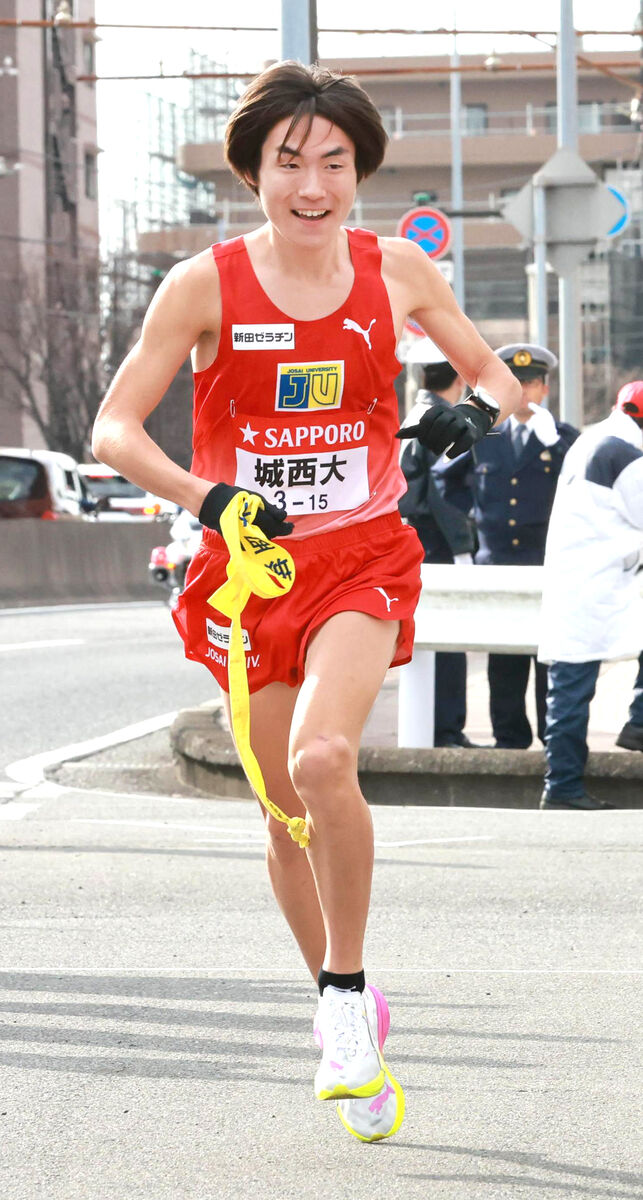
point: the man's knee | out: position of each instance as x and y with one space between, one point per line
279 843
323 764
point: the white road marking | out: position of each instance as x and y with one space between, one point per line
60 608
250 834
4 646
13 810
279 970
437 841
31 770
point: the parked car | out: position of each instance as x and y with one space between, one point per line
41 483
160 509
116 497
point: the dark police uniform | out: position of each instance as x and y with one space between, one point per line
445 530
513 492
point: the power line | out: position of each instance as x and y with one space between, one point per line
12 23
379 72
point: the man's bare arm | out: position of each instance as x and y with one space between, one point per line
416 283
182 310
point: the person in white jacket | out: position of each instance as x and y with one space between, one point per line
592 607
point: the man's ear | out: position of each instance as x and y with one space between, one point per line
250 182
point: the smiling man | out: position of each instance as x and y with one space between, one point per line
292 331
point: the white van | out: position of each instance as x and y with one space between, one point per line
41 483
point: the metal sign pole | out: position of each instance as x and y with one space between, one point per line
540 262
457 191
299 30
571 364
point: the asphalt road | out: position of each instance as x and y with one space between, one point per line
156 1023
68 675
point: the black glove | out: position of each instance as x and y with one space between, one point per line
269 519
459 428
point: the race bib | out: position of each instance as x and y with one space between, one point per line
317 466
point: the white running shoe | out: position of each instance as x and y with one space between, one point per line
350 1064
375 1117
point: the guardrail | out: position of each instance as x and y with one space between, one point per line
58 562
492 609
495 610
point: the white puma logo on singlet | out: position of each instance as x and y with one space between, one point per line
389 599
366 333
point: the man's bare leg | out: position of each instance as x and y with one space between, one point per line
345 667
271 711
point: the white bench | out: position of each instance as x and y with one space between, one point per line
492 609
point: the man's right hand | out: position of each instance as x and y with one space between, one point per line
269 519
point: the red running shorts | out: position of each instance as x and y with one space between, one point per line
372 567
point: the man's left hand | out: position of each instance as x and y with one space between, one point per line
453 430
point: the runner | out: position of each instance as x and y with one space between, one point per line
292 331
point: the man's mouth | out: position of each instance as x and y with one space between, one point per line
310 214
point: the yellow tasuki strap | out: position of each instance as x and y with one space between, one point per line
259 566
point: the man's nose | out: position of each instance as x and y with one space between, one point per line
311 183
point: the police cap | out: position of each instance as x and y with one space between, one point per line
526 360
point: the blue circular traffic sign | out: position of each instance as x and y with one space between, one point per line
428 228
622 221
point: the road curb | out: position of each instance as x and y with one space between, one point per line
206 759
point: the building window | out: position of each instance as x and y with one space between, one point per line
551 116
91 178
475 119
589 116
392 120
89 58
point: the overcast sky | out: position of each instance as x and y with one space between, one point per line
122 52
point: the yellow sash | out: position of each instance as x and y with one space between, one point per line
258 566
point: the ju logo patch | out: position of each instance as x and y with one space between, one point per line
305 386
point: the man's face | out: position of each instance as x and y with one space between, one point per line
307 191
533 392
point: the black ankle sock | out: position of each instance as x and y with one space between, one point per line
348 983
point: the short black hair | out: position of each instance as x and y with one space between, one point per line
289 89
439 376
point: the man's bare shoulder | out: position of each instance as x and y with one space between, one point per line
194 272
190 295
399 256
409 273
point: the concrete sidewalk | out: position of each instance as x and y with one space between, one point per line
157 1019
506 778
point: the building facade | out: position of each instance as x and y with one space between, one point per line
48 210
508 128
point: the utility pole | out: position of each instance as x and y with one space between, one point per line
299 30
457 191
569 312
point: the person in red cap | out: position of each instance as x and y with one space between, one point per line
592 605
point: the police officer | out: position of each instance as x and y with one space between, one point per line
513 477
446 532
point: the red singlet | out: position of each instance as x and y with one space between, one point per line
303 411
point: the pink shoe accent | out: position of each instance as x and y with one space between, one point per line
383 1015
378 1103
